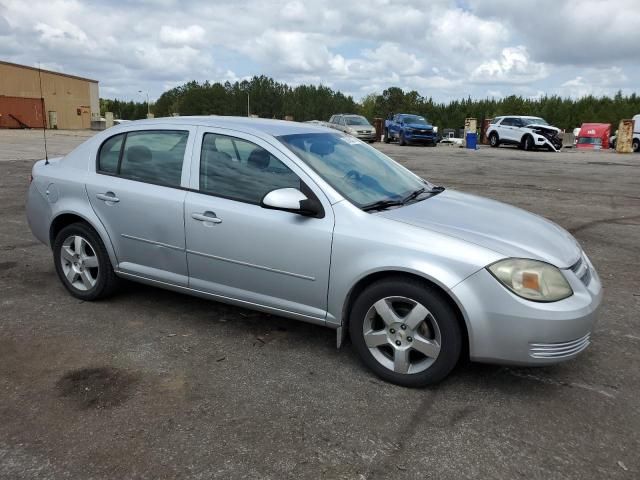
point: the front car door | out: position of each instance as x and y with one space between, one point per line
238 250
136 192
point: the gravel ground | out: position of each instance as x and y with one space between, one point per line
153 384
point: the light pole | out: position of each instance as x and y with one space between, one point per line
148 107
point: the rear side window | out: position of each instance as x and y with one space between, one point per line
110 154
145 156
241 170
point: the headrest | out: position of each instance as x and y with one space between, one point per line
259 158
322 147
138 154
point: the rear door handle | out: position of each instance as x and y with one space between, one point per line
206 217
108 197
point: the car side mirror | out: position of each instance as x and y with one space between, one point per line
292 200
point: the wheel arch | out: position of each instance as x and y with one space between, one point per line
372 277
524 137
65 218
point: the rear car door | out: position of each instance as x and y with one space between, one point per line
507 129
258 256
137 192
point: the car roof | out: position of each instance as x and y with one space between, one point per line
247 124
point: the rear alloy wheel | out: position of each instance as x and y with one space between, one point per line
636 145
405 332
82 263
527 143
387 139
402 140
494 141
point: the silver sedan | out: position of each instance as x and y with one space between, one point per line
309 223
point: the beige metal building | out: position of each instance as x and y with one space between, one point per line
67 101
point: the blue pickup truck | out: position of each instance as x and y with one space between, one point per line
407 128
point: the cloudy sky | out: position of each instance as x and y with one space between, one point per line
442 48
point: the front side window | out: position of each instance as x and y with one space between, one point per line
359 172
241 170
153 156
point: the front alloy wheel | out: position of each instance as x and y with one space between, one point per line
406 331
402 335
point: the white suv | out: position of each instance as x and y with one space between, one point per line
527 133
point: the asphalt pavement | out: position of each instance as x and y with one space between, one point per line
153 384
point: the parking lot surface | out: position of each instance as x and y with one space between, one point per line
152 384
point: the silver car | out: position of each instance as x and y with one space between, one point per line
355 125
309 223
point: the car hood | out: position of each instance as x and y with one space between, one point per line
544 127
419 126
502 228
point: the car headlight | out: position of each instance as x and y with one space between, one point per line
531 279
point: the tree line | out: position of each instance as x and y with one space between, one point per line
267 98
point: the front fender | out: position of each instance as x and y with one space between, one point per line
366 244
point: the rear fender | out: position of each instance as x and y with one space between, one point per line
78 204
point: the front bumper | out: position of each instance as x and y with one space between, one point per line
504 328
419 138
366 137
544 141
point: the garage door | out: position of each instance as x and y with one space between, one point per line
19 112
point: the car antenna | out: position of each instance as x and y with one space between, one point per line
44 126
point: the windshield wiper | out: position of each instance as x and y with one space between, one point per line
382 204
413 195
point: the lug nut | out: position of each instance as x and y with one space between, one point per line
404 327
392 330
398 342
409 339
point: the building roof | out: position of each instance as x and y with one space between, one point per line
47 71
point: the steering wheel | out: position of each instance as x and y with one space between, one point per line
353 175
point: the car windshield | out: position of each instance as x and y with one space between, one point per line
589 140
360 173
356 121
414 119
534 121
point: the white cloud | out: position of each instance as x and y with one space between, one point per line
191 35
594 81
513 66
433 46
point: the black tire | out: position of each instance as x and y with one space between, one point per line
402 142
438 306
527 143
106 281
494 140
636 145
387 139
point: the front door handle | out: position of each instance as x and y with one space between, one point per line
108 197
207 216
